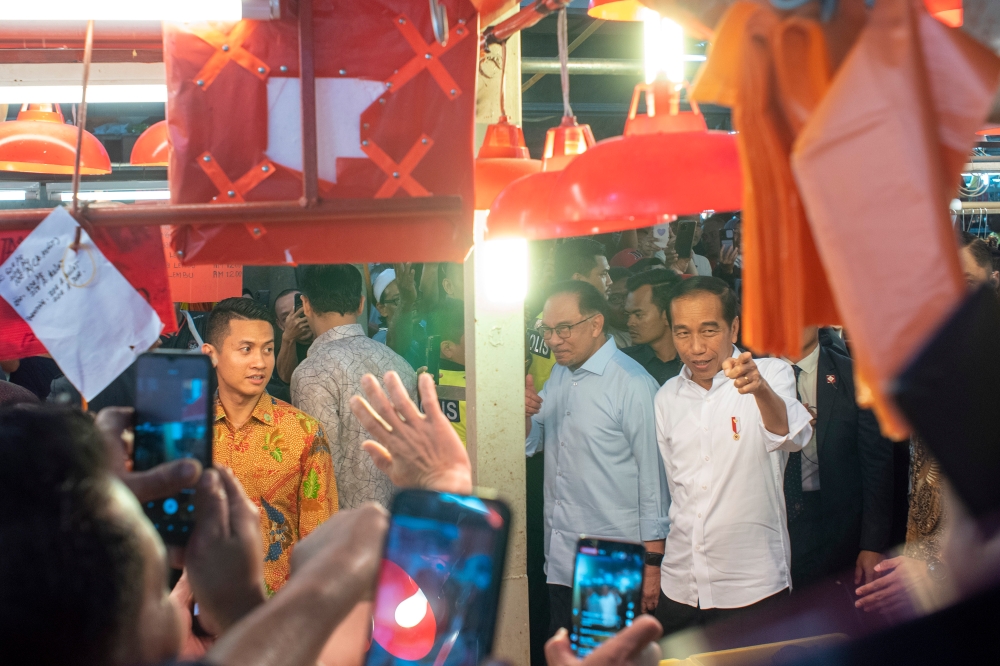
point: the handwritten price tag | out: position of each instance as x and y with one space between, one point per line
200 284
88 316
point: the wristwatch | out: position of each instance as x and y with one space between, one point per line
653 559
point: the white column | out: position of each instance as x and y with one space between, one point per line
495 282
494 334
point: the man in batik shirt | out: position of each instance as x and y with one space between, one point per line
278 453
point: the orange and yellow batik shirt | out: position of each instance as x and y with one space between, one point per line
282 458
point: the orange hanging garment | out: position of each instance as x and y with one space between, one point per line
772 74
876 164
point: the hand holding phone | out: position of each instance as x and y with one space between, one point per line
439 583
174 416
607 591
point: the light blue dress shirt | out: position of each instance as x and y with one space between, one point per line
603 472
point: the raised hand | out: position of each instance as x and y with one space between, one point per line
532 402
744 373
115 426
224 559
415 450
632 646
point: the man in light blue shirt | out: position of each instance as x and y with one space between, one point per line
594 420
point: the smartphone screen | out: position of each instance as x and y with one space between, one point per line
607 591
439 585
173 420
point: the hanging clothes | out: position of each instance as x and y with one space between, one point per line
772 73
880 155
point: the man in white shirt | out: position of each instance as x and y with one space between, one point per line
724 427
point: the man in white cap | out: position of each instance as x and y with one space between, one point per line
386 293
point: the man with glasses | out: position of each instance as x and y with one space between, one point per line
582 259
594 420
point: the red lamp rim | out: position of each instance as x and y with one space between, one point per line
150 145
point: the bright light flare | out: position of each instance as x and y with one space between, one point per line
180 11
13 195
96 94
663 48
504 270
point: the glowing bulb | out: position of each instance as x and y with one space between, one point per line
664 48
411 611
504 271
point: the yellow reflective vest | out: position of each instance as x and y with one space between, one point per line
542 359
453 409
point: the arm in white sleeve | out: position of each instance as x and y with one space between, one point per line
781 378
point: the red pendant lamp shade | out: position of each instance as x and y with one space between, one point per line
522 209
663 112
152 147
503 158
634 181
39 141
504 140
564 143
949 12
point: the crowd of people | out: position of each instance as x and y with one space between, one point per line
747 479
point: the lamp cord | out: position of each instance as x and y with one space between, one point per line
562 38
81 122
503 79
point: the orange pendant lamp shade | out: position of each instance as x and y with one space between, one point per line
634 181
503 158
564 143
504 140
618 10
40 141
152 147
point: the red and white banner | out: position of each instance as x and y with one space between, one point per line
135 251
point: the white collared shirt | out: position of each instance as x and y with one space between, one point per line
809 366
728 542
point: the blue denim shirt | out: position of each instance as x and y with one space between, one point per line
603 472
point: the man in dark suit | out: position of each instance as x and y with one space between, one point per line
838 489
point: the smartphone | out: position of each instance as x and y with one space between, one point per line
297 302
685 239
607 591
439 585
727 244
173 419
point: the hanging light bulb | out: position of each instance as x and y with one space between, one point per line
569 139
663 45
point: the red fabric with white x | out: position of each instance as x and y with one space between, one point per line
417 138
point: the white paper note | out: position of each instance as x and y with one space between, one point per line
88 316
